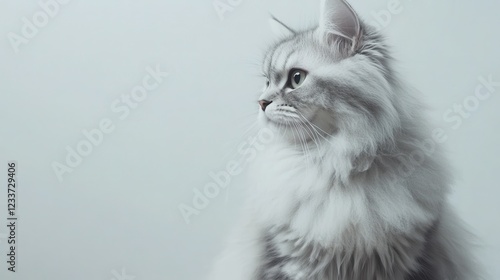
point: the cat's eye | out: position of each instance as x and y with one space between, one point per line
296 78
267 83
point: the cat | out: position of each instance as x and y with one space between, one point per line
348 189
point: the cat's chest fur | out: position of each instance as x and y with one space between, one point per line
295 191
321 229
288 257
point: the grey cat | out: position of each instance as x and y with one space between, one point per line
353 186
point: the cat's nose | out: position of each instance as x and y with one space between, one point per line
264 104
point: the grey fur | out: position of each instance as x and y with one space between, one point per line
417 256
348 190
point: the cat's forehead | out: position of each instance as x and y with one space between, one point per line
291 51
280 53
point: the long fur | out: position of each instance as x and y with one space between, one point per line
346 191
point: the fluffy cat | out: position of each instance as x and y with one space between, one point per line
351 188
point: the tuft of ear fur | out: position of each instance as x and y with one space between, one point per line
339 20
279 28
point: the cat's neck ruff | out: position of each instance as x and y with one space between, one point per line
303 192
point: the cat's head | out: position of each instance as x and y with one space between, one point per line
331 81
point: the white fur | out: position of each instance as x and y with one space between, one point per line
341 194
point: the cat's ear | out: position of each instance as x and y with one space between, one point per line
338 18
279 28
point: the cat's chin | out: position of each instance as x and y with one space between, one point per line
299 127
292 131
280 119
287 115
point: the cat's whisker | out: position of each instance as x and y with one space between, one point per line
310 132
250 128
313 136
308 150
328 210
315 128
296 135
232 151
247 116
288 124
302 142
312 124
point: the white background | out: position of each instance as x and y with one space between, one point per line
119 207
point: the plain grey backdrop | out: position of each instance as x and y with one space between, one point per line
115 213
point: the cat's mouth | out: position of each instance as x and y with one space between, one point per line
284 114
298 125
